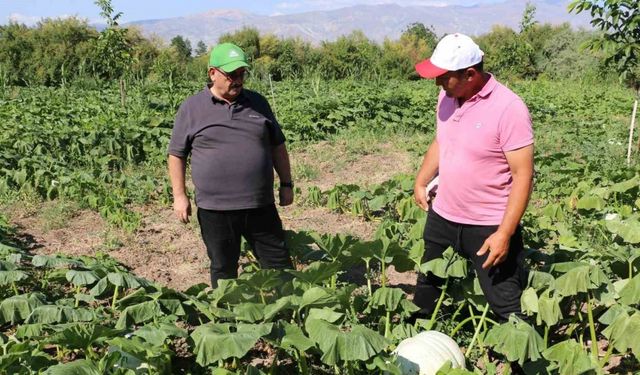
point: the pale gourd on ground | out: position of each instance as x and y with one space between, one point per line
426 352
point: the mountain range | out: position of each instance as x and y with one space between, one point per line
376 21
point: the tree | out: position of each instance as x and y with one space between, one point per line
247 38
182 46
421 32
528 18
201 48
619 21
113 56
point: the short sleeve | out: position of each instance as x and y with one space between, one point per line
180 143
275 132
515 127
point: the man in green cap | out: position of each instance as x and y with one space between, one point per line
235 143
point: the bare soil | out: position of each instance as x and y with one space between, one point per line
171 253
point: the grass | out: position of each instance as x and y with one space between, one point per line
56 214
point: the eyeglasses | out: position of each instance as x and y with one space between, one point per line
237 74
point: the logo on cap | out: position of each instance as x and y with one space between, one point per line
233 54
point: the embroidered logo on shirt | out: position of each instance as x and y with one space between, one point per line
478 125
254 116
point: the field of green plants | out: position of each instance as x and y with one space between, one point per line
89 315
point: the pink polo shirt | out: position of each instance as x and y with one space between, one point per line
475 179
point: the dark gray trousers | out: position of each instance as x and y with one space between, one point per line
261 227
502 285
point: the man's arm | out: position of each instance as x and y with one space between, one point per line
521 166
181 203
426 173
283 168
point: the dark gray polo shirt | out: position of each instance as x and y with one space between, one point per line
230 147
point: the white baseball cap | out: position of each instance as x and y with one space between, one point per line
453 52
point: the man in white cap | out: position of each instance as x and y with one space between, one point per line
483 155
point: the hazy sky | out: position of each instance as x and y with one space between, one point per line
31 11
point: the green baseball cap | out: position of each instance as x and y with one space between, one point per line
227 57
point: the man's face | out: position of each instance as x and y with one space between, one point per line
228 85
453 83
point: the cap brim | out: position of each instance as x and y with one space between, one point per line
427 70
230 67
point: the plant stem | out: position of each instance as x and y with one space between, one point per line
383 276
387 324
15 289
302 362
546 336
462 323
592 329
366 263
457 312
605 360
349 368
264 302
115 297
475 335
435 312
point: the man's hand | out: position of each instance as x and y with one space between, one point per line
286 195
421 197
497 245
182 208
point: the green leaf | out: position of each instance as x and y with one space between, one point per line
262 280
216 342
333 245
325 314
516 339
282 304
317 296
9 277
629 229
100 287
79 367
623 186
157 335
389 298
450 265
45 314
139 313
630 293
123 280
574 281
549 309
529 301
81 335
249 312
292 337
592 202
17 308
624 333
569 357
317 272
338 346
81 277
50 261
29 331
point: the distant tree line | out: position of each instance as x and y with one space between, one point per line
61 51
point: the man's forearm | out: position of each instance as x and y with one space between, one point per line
516 205
521 166
429 166
281 163
177 168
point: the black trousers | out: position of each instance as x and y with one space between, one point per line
261 227
502 285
